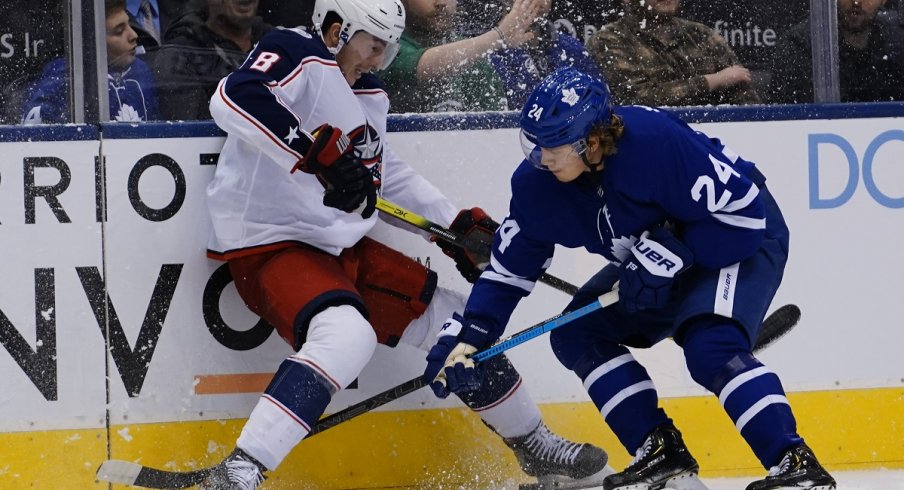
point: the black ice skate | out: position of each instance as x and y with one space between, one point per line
797 469
558 462
238 471
663 461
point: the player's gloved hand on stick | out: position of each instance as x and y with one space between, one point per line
646 276
449 369
479 227
349 184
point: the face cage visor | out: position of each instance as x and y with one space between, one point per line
392 50
533 154
389 52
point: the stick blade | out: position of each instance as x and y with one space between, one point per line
776 325
134 474
117 471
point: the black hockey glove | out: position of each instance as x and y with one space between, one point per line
646 276
476 225
348 183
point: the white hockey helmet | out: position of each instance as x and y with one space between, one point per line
384 19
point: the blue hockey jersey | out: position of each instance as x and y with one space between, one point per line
131 94
664 171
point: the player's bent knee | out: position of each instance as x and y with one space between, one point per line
716 349
340 342
568 348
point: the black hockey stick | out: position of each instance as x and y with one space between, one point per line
780 322
128 473
478 247
775 326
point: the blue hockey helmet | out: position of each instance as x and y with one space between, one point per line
562 110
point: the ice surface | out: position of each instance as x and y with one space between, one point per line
847 480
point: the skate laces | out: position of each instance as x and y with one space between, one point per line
551 447
245 474
783 466
642 451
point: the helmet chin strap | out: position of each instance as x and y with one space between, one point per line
594 167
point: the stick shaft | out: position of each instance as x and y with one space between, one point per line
463 241
414 384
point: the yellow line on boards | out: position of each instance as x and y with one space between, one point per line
451 448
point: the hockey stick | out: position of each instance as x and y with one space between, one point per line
478 247
128 473
776 325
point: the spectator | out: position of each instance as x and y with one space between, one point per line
200 48
521 49
653 57
870 52
150 18
435 71
131 86
523 68
577 18
752 28
146 15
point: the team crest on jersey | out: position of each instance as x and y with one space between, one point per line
369 148
619 247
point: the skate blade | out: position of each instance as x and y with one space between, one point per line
550 482
684 481
681 481
817 487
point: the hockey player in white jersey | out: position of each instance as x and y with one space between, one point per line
291 201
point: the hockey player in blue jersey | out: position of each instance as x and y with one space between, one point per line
296 246
696 246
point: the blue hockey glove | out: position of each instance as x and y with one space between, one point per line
646 276
449 367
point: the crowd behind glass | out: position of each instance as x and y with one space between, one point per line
163 58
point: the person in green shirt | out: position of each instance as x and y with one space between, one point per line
435 72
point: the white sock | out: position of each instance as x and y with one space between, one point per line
515 415
271 433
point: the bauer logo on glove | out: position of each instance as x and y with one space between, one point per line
646 276
656 258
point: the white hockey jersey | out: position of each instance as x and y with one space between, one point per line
289 85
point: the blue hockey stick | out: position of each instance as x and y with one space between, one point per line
479 356
129 473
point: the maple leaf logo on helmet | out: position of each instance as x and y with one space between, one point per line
570 96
